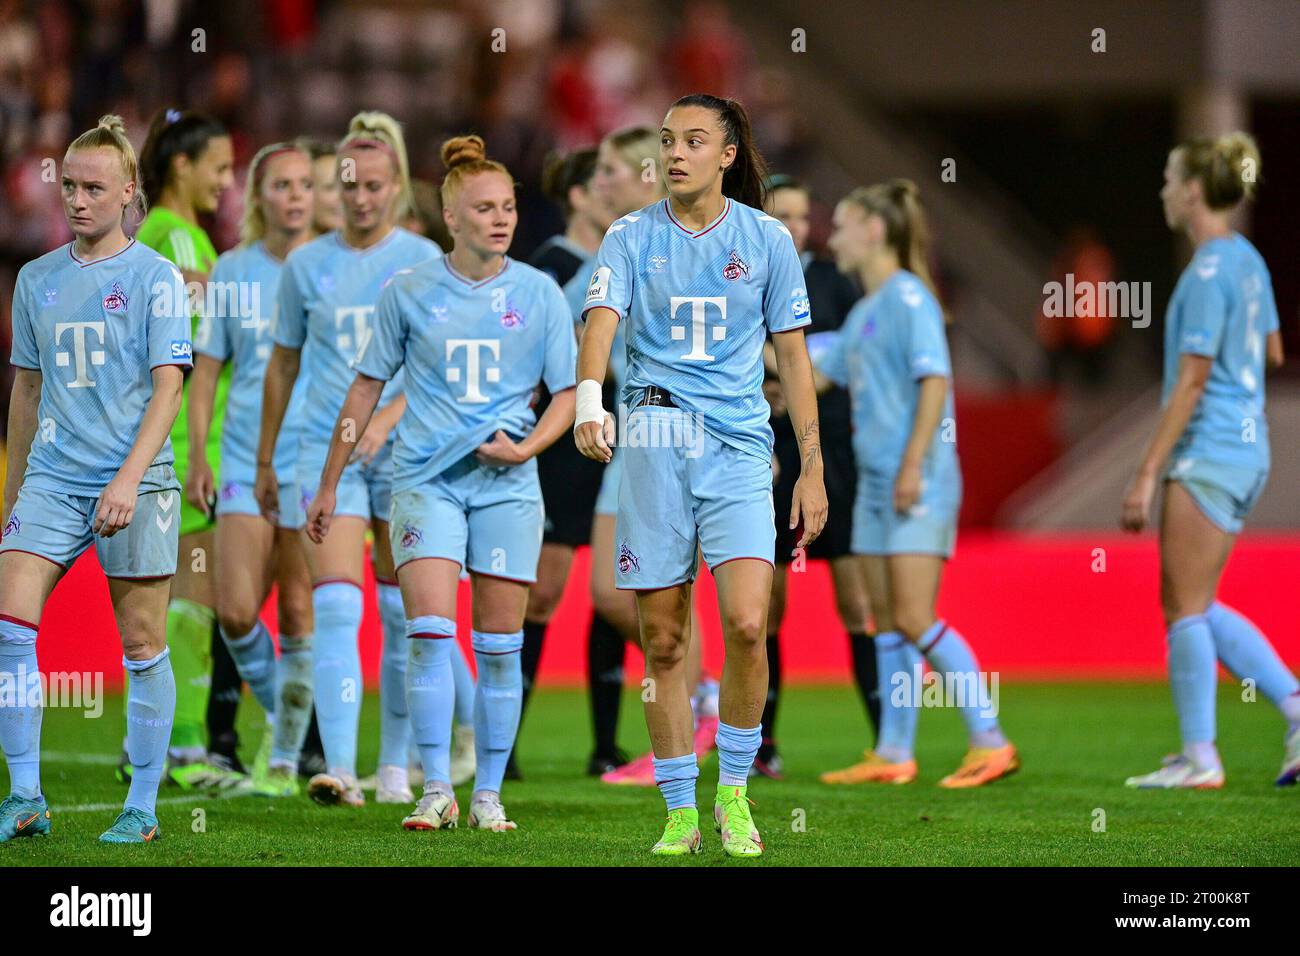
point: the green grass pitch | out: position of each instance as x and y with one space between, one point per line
1077 741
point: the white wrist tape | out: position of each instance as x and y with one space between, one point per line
589 406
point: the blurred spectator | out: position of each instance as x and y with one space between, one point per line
1081 336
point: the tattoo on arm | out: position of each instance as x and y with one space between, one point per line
810 442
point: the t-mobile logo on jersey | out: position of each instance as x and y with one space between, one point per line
701 331
473 362
79 352
359 337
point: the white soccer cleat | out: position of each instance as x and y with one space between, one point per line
391 785
337 788
437 810
463 759
1290 760
487 813
1179 773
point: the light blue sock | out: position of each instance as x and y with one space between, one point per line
1193 673
737 748
496 704
464 686
675 777
429 692
150 707
293 697
337 671
394 718
254 657
953 659
899 666
1248 654
20 715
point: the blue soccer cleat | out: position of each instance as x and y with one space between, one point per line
21 817
132 826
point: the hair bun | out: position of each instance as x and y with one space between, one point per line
112 122
463 149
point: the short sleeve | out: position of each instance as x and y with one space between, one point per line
383 351
290 325
611 283
785 298
561 366
1204 311
167 315
1268 308
827 352
22 352
212 338
927 346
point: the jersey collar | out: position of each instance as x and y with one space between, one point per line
726 208
129 243
505 264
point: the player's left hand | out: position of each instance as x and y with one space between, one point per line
320 513
1137 503
371 444
808 505
116 506
500 452
907 487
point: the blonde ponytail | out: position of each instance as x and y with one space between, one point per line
372 129
1227 168
898 203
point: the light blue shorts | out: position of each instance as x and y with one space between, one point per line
57 527
607 498
929 527
365 488
236 498
674 502
488 520
1224 493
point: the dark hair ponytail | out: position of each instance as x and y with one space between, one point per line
174 133
562 171
745 180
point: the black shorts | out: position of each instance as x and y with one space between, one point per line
570 482
840 473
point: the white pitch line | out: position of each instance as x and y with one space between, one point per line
195 798
57 756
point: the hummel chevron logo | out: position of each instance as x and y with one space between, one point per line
165 504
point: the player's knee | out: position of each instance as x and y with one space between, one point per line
236 620
745 629
665 646
912 623
852 612
543 599
294 611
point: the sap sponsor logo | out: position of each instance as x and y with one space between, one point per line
182 349
77 909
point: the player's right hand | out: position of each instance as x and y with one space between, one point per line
319 514
116 506
266 490
594 440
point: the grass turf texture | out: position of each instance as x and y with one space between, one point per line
1077 742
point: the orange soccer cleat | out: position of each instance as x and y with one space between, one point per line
873 769
982 765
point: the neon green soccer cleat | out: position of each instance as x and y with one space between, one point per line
681 834
732 819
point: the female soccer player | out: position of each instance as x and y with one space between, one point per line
569 481
475 333
830 296
893 357
700 277
326 206
252 553
1210 451
100 342
185 166
627 178
327 295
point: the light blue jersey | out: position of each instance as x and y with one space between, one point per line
473 353
890 340
95 331
244 279
1223 309
327 297
698 306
